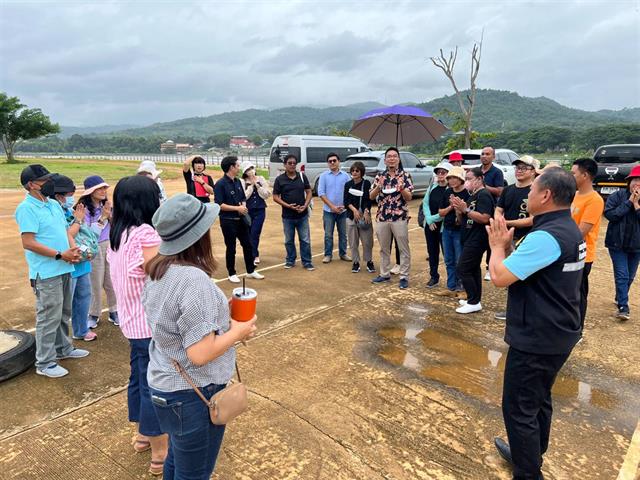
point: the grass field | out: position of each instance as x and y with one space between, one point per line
78 170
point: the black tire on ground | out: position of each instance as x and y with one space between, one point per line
19 358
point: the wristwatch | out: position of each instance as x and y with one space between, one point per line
58 255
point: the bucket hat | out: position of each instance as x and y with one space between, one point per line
455 157
635 173
34 172
149 166
181 221
443 166
457 172
92 183
246 165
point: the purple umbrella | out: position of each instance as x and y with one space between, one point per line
397 125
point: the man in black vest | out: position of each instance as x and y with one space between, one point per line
543 274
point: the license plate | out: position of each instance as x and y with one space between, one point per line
609 190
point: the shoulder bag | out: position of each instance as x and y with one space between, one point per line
362 224
225 405
311 202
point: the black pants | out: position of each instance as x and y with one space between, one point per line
584 293
233 230
433 250
527 408
469 272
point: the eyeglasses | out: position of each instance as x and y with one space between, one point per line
523 168
333 160
291 163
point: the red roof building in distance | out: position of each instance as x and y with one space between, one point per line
241 141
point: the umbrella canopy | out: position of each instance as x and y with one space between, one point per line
398 125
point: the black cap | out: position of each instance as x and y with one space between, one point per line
33 172
62 184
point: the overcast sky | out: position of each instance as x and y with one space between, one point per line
96 63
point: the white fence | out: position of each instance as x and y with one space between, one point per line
261 161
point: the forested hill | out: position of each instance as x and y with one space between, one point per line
502 111
267 123
496 111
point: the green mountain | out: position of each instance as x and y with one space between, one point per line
268 123
66 131
496 111
502 111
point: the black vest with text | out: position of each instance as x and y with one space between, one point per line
543 314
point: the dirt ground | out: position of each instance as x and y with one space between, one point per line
347 380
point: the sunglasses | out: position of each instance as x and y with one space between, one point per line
333 160
291 163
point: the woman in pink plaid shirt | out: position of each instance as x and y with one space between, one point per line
133 243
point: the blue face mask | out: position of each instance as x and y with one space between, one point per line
68 202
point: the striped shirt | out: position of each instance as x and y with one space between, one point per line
182 308
127 277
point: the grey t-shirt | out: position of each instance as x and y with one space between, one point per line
182 308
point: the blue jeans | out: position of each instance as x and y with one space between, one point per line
257 221
301 225
194 442
452 248
138 396
81 287
329 221
625 266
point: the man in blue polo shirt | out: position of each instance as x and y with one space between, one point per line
331 192
543 274
51 253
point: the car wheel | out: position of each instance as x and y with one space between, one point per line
17 353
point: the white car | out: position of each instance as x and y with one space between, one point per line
504 159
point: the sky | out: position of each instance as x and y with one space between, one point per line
90 63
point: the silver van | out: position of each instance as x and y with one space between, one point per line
312 151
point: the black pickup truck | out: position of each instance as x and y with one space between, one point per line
614 164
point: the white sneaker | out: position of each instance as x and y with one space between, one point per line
326 259
462 302
469 308
256 275
487 276
234 279
395 270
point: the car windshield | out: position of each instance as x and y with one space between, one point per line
369 162
621 154
279 152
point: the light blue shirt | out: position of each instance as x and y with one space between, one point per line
82 268
331 185
47 221
536 251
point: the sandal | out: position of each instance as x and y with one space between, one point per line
156 467
140 445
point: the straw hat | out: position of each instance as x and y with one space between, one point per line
457 172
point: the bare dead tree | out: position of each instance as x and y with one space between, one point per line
447 64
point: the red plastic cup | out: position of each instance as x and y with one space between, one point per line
243 304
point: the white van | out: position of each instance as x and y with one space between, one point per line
311 151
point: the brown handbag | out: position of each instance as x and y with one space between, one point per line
225 405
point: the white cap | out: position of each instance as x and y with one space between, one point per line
149 166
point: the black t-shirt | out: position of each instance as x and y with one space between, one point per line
363 203
292 190
514 202
450 218
475 233
197 191
435 198
230 192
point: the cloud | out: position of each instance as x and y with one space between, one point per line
89 63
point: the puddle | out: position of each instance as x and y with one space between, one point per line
468 367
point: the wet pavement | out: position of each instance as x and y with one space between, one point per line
347 381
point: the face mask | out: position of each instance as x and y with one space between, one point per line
68 202
47 189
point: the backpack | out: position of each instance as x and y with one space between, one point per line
87 241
